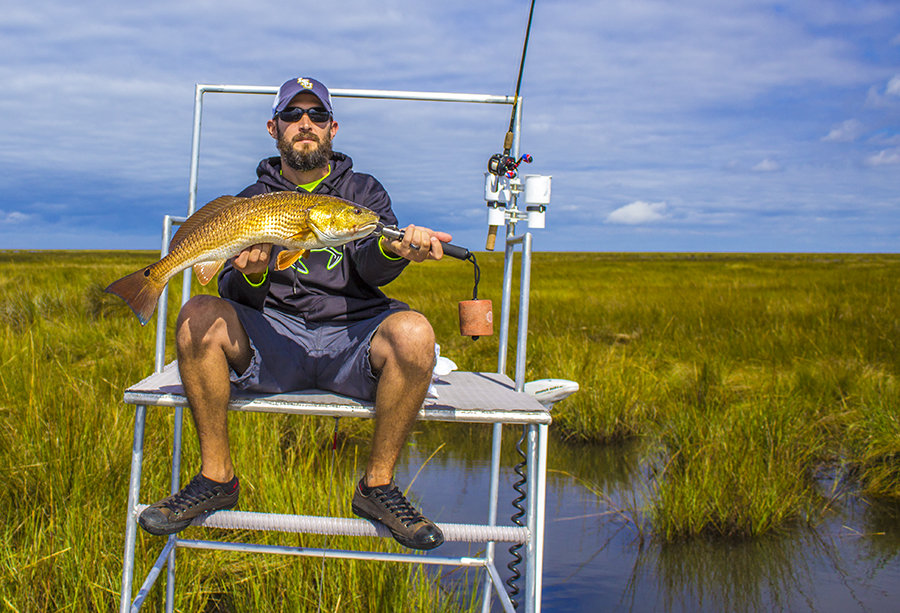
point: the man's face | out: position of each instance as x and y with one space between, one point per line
304 145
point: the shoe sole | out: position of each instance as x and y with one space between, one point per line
360 512
175 526
170 528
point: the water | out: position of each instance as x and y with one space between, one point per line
595 559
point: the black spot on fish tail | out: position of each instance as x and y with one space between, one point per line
140 293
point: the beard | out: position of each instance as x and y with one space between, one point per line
305 160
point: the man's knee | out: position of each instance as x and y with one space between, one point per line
409 339
200 322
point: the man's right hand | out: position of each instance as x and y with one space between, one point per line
253 261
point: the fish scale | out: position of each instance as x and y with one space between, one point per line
224 227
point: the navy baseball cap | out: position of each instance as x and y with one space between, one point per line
299 85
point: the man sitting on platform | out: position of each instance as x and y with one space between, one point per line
322 323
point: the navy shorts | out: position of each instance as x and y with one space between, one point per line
290 354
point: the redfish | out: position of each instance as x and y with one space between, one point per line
226 226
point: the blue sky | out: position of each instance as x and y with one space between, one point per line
695 125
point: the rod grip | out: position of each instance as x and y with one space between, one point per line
491 238
455 251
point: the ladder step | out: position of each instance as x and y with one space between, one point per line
342 526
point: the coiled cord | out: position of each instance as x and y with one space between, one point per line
518 486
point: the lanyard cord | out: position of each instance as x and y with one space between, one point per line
471 258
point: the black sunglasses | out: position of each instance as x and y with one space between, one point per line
295 114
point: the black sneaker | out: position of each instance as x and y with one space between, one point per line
388 505
175 513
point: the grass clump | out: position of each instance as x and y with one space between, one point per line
733 465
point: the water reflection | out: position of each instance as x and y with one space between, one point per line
762 575
597 559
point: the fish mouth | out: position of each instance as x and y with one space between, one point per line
359 231
367 229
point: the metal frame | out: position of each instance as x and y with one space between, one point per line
536 425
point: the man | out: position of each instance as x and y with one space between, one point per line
322 323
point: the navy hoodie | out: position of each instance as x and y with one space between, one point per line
332 284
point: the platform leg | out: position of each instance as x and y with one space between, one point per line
175 485
134 490
492 512
537 493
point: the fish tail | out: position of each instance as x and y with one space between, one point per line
139 291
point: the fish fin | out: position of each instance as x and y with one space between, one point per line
286 258
205 271
139 292
305 235
202 215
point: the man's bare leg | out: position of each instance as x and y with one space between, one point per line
210 339
402 351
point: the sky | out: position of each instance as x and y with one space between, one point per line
689 126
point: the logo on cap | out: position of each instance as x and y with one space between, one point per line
305 83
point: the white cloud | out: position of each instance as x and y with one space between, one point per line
875 99
638 212
13 218
767 165
844 132
893 87
884 140
884 157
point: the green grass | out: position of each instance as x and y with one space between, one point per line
68 352
745 374
741 375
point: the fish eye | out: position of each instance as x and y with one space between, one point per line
357 211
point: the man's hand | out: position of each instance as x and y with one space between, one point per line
419 244
253 261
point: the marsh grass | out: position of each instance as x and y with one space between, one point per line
744 374
740 376
68 352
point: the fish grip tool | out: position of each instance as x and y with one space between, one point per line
476 317
395 234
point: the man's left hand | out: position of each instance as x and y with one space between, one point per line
419 244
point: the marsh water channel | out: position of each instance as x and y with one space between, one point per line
595 559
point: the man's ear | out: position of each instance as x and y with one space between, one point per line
272 127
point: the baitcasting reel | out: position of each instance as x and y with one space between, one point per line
505 165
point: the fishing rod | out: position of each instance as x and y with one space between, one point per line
504 164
